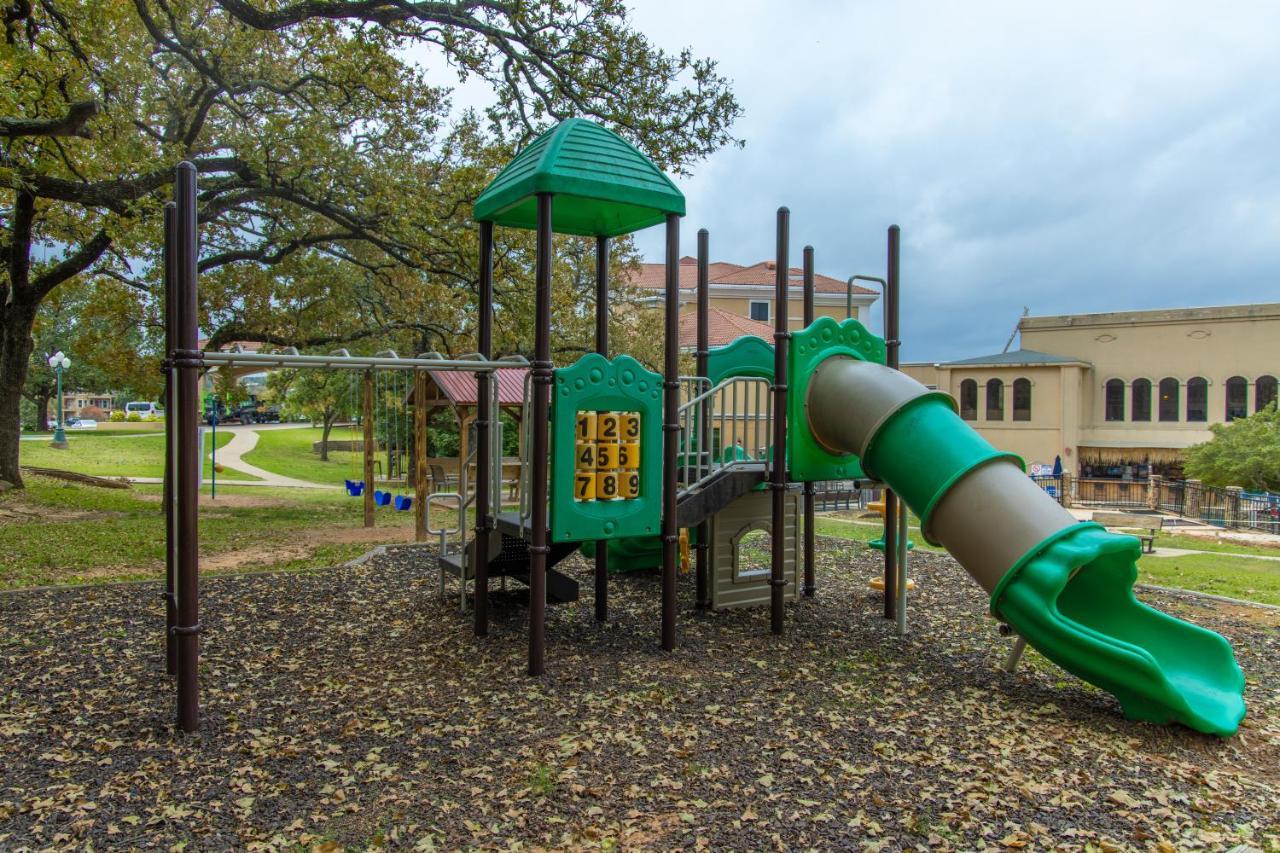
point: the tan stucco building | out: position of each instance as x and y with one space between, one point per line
1117 394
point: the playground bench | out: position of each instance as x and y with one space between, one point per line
1145 527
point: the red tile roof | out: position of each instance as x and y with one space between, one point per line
460 386
723 328
654 276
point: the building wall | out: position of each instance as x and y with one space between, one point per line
1068 400
741 306
1213 343
1037 440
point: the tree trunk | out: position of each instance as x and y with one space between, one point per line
42 411
329 417
16 320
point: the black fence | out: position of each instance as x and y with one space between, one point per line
1051 485
834 495
1125 494
1258 511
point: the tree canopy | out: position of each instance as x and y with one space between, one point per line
1245 453
336 175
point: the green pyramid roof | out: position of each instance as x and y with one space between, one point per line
603 186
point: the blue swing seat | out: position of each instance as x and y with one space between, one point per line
381 498
403 503
355 488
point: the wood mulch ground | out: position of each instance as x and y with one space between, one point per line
351 707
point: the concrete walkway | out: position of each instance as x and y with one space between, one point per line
230 454
244 440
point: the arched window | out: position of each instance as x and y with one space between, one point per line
1264 392
969 399
1197 399
1022 399
1140 392
1169 399
1114 409
995 400
1237 398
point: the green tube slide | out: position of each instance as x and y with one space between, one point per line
1064 586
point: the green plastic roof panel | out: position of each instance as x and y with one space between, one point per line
603 186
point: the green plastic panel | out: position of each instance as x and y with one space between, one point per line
927 428
808 460
595 383
747 356
1071 598
602 185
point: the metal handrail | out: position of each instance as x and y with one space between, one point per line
743 402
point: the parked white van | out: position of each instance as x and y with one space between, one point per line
144 410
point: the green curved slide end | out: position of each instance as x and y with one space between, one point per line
1072 599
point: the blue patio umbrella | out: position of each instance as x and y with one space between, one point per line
1057 466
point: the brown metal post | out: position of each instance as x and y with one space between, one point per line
602 347
810 576
702 594
778 482
543 375
670 433
366 418
484 419
170 441
891 359
420 411
186 358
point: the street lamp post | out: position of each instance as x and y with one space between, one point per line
59 362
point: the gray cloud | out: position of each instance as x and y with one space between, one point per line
1076 157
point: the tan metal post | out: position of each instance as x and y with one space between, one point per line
367 419
420 455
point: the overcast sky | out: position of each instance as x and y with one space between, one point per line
1068 157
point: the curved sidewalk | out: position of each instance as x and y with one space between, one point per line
230 455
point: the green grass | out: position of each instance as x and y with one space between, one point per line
288 452
109 455
865 532
56 532
1195 543
1234 577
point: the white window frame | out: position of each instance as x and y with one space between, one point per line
768 309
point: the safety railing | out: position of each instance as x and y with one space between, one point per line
730 425
1129 494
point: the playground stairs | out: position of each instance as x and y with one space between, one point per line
509 557
697 504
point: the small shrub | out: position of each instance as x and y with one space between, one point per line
133 418
117 416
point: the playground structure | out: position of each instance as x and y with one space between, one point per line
620 459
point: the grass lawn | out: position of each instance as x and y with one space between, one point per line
114 454
1236 577
288 452
55 532
865 530
1196 543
